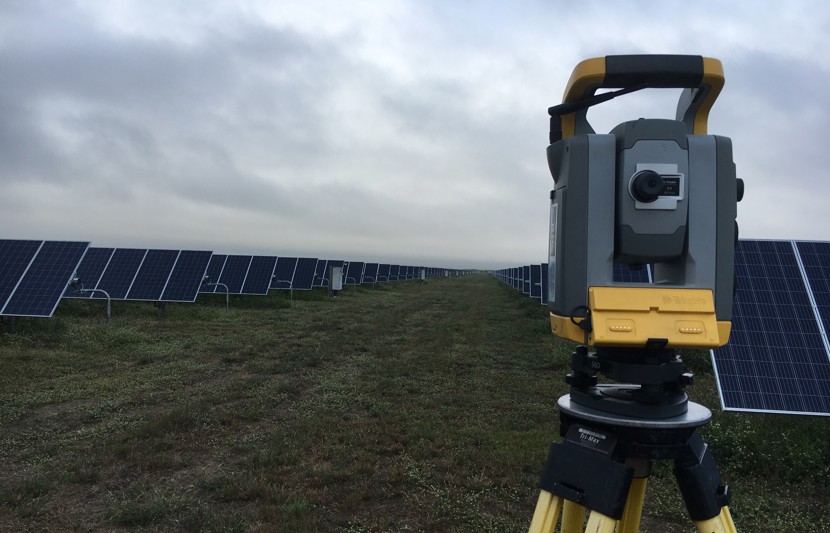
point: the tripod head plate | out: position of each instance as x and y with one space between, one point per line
696 416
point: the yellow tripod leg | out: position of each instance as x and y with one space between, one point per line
573 517
720 524
630 521
599 523
546 514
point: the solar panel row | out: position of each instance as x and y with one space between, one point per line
35 275
532 280
237 274
140 274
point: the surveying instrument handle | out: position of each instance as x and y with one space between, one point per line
702 77
656 192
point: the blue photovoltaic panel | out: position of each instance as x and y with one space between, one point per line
526 279
321 273
284 273
47 275
235 273
258 280
183 284
631 274
89 272
394 272
120 273
410 272
354 273
214 270
383 272
15 256
515 277
776 359
370 273
815 257
304 273
152 277
544 283
535 281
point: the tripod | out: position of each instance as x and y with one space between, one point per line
604 461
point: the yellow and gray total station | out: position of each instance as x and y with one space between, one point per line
657 192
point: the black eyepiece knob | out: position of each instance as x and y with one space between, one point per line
647 186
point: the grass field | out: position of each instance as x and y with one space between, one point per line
405 407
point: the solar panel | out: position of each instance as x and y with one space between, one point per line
284 273
120 273
89 272
304 273
815 259
776 359
321 273
15 257
354 273
42 283
152 276
535 281
526 279
394 272
234 273
183 284
383 271
212 274
370 273
260 272
632 273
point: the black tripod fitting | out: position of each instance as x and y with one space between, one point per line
654 381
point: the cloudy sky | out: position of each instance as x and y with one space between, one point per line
411 130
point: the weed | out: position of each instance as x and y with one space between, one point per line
25 492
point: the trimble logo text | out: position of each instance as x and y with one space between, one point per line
684 300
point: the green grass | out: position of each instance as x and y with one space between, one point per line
409 406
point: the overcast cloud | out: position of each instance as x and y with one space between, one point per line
410 131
